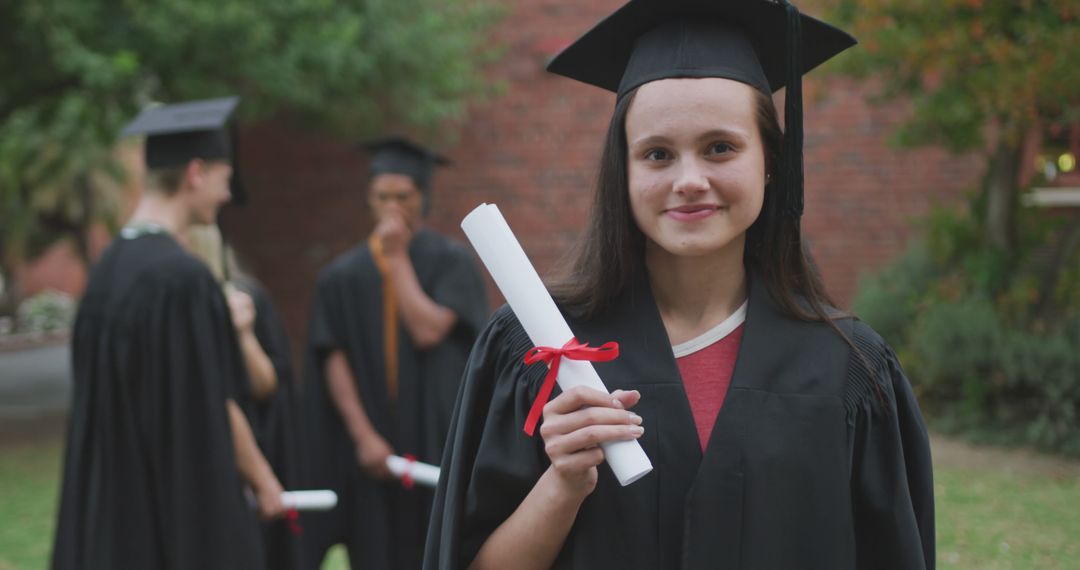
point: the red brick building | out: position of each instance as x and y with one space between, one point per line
533 151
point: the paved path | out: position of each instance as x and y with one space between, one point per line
952 453
35 380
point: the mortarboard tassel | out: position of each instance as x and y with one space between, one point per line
791 171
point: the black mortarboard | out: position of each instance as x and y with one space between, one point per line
398 155
764 43
179 133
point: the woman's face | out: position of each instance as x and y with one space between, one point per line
696 165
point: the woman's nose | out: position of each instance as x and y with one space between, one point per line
691 178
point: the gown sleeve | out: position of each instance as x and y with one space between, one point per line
489 463
892 484
275 415
461 289
270 330
325 332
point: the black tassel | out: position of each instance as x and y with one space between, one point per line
791 171
236 183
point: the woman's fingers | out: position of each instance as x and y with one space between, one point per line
628 398
578 462
559 424
579 397
580 419
589 437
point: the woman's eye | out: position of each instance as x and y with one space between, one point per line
720 148
657 154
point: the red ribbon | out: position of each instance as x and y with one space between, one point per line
573 350
406 477
292 516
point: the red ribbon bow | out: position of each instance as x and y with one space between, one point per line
573 350
406 477
292 517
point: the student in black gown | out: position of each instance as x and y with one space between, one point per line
158 445
265 350
391 326
782 432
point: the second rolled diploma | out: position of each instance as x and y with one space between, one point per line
412 470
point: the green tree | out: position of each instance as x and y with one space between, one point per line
75 70
980 75
986 322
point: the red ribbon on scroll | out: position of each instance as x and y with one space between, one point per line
573 350
292 517
406 477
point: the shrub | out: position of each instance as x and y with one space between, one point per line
45 312
962 320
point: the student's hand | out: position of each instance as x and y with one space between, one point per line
268 498
242 308
394 234
575 423
372 453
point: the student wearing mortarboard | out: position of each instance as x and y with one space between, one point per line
391 326
782 432
265 349
158 446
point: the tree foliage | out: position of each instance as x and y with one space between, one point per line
985 321
967 65
980 75
75 70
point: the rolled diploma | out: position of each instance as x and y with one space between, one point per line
422 473
504 258
318 500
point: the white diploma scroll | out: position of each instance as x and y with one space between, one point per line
421 473
318 500
501 253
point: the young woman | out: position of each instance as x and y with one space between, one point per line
272 407
783 433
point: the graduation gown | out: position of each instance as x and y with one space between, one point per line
816 460
150 477
383 524
275 422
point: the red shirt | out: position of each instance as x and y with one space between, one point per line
706 374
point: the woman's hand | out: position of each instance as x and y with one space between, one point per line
242 307
575 423
268 499
372 453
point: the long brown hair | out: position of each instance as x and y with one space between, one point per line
611 250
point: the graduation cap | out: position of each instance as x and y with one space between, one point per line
399 155
766 44
179 133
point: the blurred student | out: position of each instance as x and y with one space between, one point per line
391 327
158 446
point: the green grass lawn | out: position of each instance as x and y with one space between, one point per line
29 479
987 519
998 521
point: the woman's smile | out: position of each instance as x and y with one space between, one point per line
692 212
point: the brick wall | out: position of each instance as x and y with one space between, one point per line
533 151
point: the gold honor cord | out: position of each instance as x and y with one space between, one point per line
390 320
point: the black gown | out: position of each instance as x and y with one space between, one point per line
150 477
814 461
382 524
275 423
